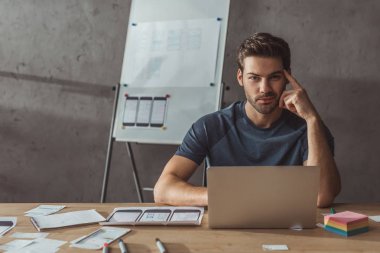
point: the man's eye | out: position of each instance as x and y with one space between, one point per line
254 78
276 77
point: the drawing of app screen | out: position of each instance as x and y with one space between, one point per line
184 215
144 110
125 216
4 226
155 216
158 112
130 111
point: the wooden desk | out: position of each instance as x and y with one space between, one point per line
203 239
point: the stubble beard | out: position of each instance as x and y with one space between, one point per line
264 109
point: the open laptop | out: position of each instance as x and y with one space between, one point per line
262 196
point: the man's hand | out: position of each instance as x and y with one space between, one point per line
297 101
172 187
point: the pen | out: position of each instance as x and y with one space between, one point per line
160 246
105 247
123 247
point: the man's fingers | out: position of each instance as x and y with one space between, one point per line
283 96
287 101
293 82
289 105
281 101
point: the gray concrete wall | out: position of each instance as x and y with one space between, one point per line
59 60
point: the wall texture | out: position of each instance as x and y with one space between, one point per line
60 59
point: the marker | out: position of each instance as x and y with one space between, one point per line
105 247
123 247
332 211
160 246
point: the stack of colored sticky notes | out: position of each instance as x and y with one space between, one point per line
346 223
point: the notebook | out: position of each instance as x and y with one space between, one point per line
262 196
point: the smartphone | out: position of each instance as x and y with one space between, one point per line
158 112
143 111
130 111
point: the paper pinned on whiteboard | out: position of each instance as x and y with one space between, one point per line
179 53
158 112
130 111
144 111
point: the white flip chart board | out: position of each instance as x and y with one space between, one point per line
172 68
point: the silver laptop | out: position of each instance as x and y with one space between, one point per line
262 196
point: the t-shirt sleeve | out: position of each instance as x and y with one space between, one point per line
330 142
305 150
194 145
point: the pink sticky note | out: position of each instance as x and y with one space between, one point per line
346 217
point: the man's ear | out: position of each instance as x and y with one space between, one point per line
239 77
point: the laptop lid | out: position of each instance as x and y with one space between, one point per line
262 196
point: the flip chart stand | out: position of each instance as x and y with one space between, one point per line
111 140
155 102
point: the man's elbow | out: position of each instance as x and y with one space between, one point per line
326 197
326 200
158 193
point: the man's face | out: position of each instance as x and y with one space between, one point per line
263 82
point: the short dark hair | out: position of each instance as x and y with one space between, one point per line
264 44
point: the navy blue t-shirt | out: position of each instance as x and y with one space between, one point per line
229 138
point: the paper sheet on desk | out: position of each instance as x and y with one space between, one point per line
97 239
20 235
375 218
6 224
14 245
43 210
275 247
67 219
40 245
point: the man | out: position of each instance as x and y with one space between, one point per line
274 126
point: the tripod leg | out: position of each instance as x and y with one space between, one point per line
109 148
135 174
106 171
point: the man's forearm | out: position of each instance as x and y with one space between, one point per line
321 155
173 191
